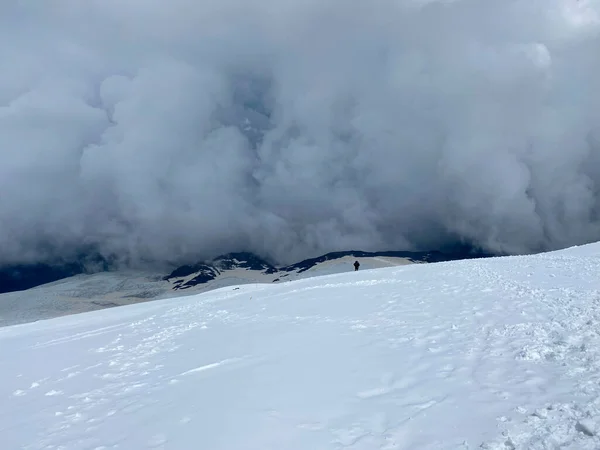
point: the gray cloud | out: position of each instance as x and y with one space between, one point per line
179 130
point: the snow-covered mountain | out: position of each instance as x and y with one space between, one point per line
499 353
88 292
27 276
248 266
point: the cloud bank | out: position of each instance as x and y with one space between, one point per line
172 131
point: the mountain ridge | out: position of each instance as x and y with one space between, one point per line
207 271
20 277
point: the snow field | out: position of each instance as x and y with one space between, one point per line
497 354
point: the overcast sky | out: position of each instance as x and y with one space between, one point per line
183 129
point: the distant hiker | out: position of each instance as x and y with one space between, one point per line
356 265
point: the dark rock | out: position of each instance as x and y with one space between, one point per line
243 260
204 275
205 272
185 271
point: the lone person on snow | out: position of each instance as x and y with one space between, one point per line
356 265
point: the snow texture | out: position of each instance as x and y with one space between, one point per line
498 354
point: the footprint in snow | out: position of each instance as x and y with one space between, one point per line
53 393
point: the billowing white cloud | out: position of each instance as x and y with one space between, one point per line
178 130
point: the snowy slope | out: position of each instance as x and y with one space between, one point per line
82 293
241 275
503 352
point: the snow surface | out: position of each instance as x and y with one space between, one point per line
83 293
500 354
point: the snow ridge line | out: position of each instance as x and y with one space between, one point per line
83 335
